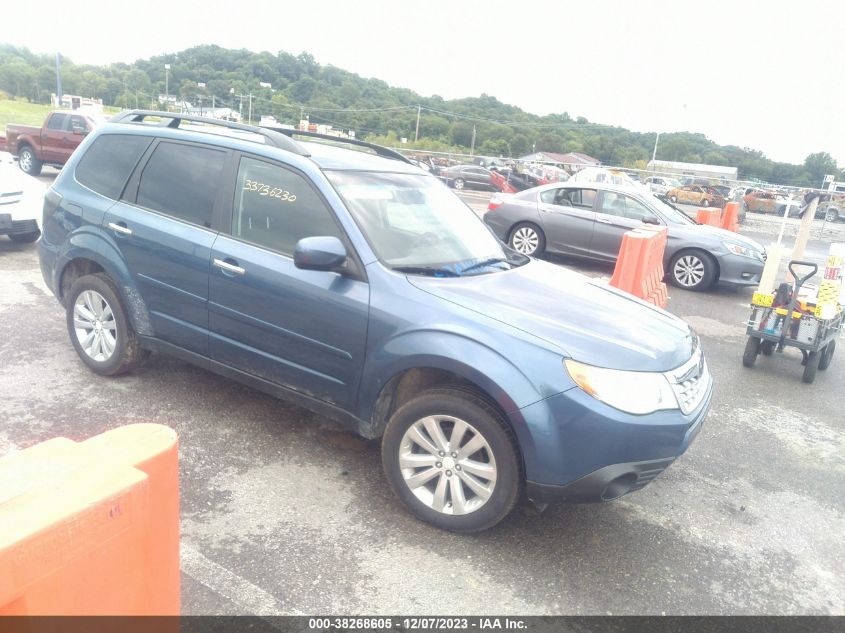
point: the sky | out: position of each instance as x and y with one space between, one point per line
766 75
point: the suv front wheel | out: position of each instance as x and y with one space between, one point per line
452 460
99 328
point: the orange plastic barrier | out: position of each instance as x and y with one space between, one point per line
730 217
92 528
713 217
639 267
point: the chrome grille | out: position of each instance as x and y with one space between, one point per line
690 382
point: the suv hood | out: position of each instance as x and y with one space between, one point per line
584 319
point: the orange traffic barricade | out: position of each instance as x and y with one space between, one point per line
713 217
92 528
730 217
639 266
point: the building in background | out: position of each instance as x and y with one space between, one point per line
571 162
692 169
75 102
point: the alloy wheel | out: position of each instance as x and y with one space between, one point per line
525 240
447 464
25 160
94 325
688 271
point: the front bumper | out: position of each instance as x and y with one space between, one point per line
584 450
735 270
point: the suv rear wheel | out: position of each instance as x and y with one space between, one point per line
99 328
452 460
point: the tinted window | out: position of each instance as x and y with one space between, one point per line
275 207
182 181
78 123
56 122
106 165
582 198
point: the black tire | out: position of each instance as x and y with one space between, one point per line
673 199
752 348
483 419
458 183
832 215
127 353
812 366
827 355
767 348
705 203
27 161
25 238
520 239
692 270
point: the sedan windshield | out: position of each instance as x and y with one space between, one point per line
417 225
672 214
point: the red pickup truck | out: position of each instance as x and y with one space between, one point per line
50 144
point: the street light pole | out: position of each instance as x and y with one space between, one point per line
166 86
654 153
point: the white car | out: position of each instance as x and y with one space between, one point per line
20 206
660 185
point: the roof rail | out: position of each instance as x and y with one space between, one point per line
173 120
386 152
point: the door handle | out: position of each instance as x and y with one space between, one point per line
229 268
604 221
120 228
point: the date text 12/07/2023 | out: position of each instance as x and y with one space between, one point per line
416 623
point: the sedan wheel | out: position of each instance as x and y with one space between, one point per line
527 239
692 271
705 203
832 215
459 183
673 199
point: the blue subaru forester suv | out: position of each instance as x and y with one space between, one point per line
336 274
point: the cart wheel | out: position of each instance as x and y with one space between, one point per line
752 348
827 355
810 368
767 348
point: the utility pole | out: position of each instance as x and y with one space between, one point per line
212 105
249 120
417 133
472 145
58 81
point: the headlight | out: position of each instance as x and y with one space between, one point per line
636 392
742 251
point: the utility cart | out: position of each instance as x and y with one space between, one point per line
810 322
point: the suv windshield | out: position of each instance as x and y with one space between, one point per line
416 225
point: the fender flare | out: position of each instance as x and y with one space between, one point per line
479 364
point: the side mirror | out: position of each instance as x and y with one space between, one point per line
319 253
650 219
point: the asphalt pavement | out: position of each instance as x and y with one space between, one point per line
284 512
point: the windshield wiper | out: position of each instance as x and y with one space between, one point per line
486 262
426 270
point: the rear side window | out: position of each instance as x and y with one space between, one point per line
106 165
182 181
